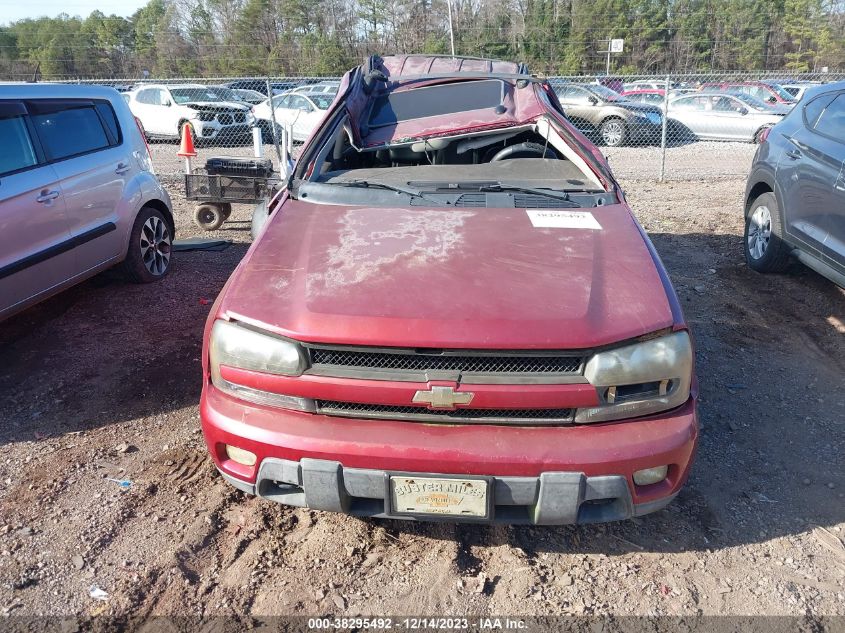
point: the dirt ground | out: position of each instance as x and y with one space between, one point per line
101 384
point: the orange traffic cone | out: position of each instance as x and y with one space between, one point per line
187 149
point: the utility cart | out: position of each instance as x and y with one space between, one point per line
225 180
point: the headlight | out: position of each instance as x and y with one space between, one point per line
236 345
640 379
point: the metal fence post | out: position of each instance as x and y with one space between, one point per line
273 121
665 127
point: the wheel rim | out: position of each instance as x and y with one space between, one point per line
759 232
612 132
207 216
155 246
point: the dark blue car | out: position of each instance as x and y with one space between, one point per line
795 196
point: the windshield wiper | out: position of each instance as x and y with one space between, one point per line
496 187
383 185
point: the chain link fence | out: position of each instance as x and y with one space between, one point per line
675 127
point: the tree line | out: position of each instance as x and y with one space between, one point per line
193 38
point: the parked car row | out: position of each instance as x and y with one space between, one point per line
722 112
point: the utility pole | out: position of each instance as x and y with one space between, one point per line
451 30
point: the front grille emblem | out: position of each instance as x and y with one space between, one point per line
443 397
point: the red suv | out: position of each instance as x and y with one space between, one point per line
451 312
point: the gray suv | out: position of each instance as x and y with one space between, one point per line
795 196
77 193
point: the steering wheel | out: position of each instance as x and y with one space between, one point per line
525 150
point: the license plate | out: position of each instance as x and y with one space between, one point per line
439 496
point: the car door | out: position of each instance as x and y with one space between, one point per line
141 105
690 117
828 152
83 141
159 112
579 107
282 111
306 117
34 237
809 175
729 119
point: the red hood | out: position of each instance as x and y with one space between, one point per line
448 278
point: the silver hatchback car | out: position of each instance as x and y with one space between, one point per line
77 193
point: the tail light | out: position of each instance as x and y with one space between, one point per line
764 135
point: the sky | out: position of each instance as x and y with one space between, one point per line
13 10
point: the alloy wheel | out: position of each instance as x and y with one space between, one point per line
759 231
155 245
612 132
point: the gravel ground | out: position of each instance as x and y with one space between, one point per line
102 382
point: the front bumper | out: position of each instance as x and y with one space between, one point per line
553 498
540 475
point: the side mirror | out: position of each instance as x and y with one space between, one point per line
743 111
772 100
167 103
593 101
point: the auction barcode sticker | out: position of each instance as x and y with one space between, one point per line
542 219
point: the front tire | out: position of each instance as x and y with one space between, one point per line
614 132
150 242
765 250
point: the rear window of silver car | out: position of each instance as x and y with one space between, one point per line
18 152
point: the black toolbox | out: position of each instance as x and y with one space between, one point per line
237 166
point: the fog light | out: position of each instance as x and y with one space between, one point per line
649 476
242 456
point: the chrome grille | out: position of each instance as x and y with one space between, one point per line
240 117
422 414
225 118
449 361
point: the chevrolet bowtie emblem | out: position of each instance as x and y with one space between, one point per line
443 397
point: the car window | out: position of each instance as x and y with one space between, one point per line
574 95
727 104
107 115
813 110
653 98
322 101
282 101
832 121
69 130
148 96
691 103
18 152
301 103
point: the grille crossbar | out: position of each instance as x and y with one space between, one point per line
422 414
